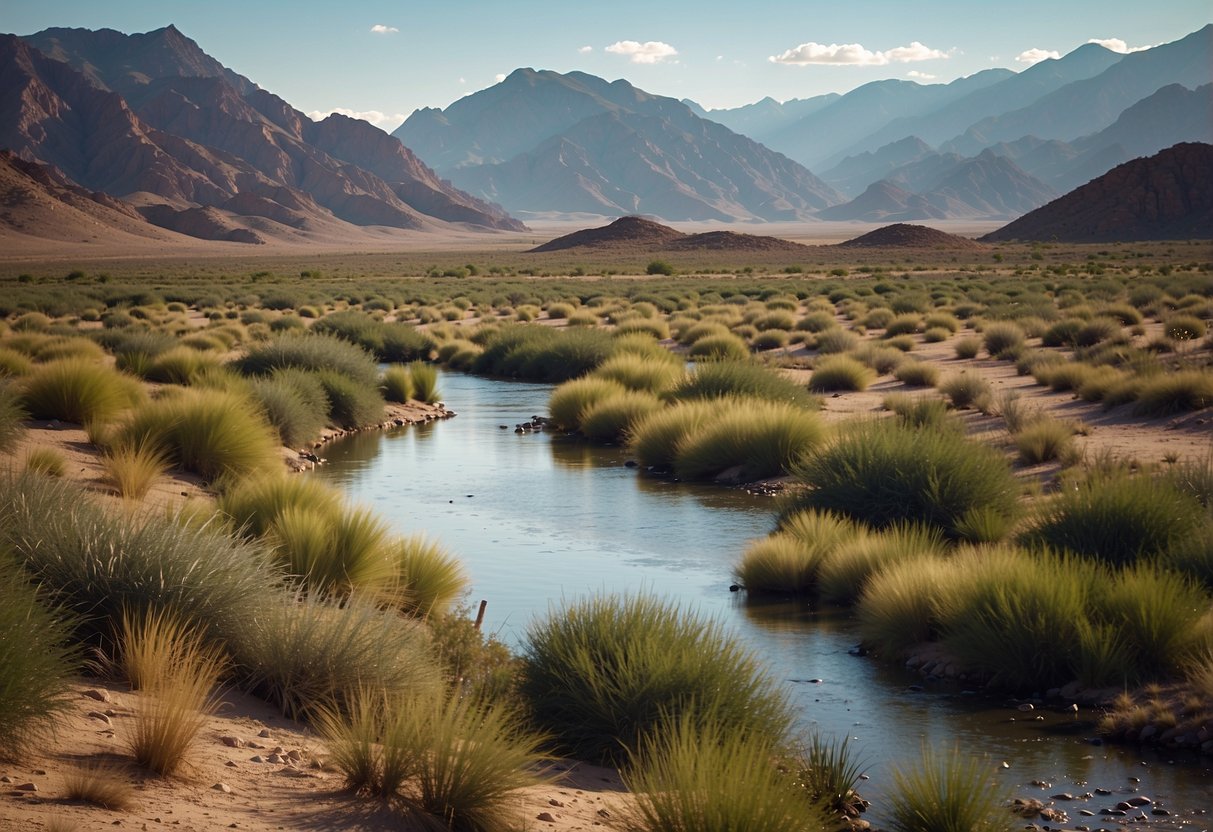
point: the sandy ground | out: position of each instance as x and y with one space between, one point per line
223 788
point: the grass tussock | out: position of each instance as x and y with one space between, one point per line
846 569
828 773
132 470
334 552
612 419
571 401
397 384
36 662
967 390
312 352
713 778
840 372
917 374
1044 440
432 580
948 792
788 561
210 432
759 439
643 373
12 415
178 672
741 378
602 674
77 390
919 411
99 785
882 473
49 462
424 379
1169 393
294 403
898 608
655 440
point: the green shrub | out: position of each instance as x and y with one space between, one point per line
758 438
36 663
710 777
394 342
210 432
967 390
77 390
949 792
742 379
1044 440
612 419
840 372
544 354
295 405
919 411
602 674
883 473
659 267
836 340
1117 519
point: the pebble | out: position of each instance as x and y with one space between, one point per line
232 742
265 732
555 802
99 695
1026 707
222 787
257 759
100 716
546 817
26 787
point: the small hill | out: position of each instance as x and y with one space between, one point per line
903 235
731 241
625 232
1167 196
884 201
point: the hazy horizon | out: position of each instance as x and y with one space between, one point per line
381 60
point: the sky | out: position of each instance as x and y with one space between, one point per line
381 59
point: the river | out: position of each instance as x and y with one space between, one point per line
540 520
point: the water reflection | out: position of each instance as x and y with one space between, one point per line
541 519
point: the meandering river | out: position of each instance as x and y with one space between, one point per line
539 520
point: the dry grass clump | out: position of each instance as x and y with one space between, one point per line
572 400
646 373
948 792
101 785
177 674
967 347
758 438
1168 393
431 579
77 390
397 383
840 372
424 379
49 462
131 470
1044 440
917 374
967 390
613 418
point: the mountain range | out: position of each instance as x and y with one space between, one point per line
194 147
550 142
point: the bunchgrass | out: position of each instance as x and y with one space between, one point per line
601 674
741 378
840 372
1117 519
917 374
210 432
1168 393
788 561
431 579
655 440
336 552
828 773
883 473
180 365
351 404
12 416
304 653
758 438
294 403
1044 440
967 347
36 662
572 400
693 776
424 379
948 792
612 419
99 785
898 607
643 373
724 347
131 470
49 462
919 411
397 384
77 390
315 352
967 390
846 569
178 673
1002 339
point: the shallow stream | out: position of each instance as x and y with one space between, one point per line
540 519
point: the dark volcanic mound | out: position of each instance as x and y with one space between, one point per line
625 232
731 241
1167 196
904 235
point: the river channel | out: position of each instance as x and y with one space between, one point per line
540 520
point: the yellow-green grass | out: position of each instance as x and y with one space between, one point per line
337 552
424 379
1002 339
13 363
967 347
210 432
655 440
36 663
431 579
1044 440
61 348
612 419
836 340
829 774
77 390
313 352
254 505
759 439
840 372
846 569
12 418
571 401
898 608
966 390
818 321
100 785
725 347
1169 393
600 675
948 791
917 374
294 402
352 404
788 560
178 674
882 359
651 328
181 365
710 777
49 462
397 383
770 339
648 373
1184 328
919 411
741 378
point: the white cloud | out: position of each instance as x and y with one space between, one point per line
380 29
925 76
1035 56
499 77
854 54
1118 45
585 50
649 52
384 121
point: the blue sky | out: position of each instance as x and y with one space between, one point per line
384 59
